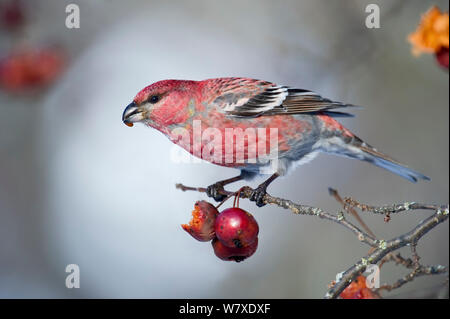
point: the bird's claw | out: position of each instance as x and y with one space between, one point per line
215 190
258 196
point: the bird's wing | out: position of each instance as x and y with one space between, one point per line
252 98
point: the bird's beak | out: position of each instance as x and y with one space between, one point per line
132 114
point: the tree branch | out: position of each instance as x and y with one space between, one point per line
385 247
381 250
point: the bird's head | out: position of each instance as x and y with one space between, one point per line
160 104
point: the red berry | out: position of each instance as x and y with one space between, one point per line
233 253
442 57
236 228
201 226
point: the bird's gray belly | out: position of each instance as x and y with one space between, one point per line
301 150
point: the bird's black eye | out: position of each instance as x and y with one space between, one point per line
153 99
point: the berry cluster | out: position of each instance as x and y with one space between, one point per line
234 232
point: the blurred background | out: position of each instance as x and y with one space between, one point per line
79 187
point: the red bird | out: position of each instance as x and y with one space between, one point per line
253 125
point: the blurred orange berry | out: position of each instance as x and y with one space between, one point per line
432 33
358 290
31 68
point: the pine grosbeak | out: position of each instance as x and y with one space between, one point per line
301 122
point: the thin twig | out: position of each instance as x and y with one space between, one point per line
350 210
385 247
417 272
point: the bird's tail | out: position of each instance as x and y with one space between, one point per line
355 148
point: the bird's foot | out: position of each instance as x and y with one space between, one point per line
258 195
215 190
